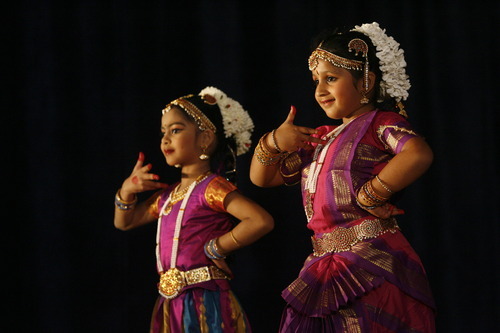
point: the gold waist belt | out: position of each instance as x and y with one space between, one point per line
173 280
342 239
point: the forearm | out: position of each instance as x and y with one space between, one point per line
129 214
255 222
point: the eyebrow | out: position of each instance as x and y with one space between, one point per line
333 70
172 124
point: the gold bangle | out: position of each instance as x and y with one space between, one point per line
119 198
234 239
368 187
383 184
264 155
275 143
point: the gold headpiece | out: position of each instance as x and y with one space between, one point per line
199 117
335 60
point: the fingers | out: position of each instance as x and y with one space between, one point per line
222 264
309 138
141 178
140 161
291 115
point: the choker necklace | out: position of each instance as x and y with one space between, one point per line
177 195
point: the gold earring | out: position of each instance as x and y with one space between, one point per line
204 156
364 99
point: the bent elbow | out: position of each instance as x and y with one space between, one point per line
120 227
267 224
270 224
426 157
257 180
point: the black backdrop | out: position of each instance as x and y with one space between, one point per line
84 83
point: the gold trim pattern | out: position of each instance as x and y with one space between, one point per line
216 192
393 137
173 280
342 239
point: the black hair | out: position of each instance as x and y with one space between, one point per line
223 158
337 40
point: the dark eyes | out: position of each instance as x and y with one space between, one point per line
172 131
328 79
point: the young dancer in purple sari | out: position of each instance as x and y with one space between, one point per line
363 275
201 134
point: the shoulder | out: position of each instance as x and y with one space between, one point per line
392 130
217 189
389 118
220 183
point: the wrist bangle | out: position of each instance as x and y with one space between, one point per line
211 250
122 204
275 143
264 155
383 184
364 206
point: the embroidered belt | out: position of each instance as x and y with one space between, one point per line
342 239
173 280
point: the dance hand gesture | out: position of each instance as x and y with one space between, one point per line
141 179
290 137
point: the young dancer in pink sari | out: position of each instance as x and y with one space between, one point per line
202 135
363 275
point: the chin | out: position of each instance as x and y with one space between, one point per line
170 163
334 116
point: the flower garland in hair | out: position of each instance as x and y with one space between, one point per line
237 122
395 82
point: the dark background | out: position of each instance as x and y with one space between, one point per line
84 84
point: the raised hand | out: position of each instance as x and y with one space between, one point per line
140 180
290 137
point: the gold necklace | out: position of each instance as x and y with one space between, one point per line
177 195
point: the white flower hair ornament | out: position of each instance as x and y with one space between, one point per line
237 122
395 82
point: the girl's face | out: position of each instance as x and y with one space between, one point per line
179 142
337 92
